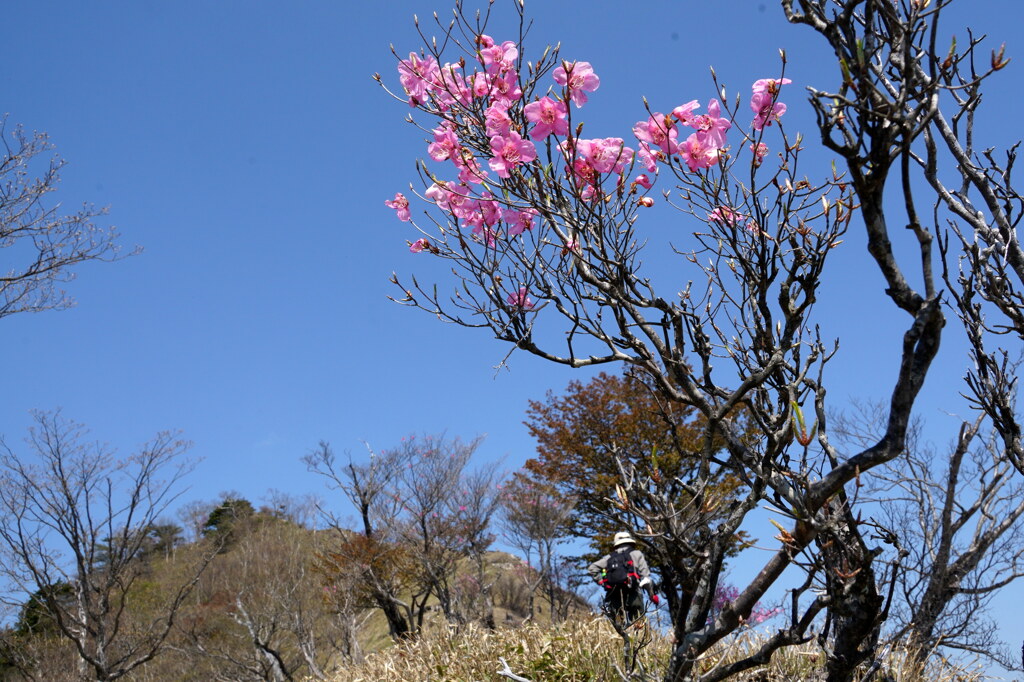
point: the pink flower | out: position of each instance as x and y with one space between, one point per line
497 120
764 102
725 215
766 109
505 87
461 202
621 153
684 112
697 154
518 221
645 201
457 200
417 76
577 160
649 158
489 235
578 78
450 87
604 155
510 151
480 84
711 125
644 181
497 58
770 85
419 245
445 145
438 193
401 206
469 169
548 117
760 150
658 131
490 210
520 300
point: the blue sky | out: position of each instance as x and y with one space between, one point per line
247 149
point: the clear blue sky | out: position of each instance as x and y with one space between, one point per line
247 149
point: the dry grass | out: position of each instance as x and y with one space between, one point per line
577 651
587 650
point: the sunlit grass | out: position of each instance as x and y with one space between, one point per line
588 649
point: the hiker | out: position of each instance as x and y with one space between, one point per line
623 574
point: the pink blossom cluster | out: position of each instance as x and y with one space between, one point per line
506 119
730 217
587 160
480 211
659 136
496 83
483 102
725 593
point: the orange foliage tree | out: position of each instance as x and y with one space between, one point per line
630 459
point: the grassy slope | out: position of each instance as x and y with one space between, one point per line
586 649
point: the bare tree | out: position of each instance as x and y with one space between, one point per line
423 511
534 518
473 507
381 562
73 513
545 252
957 518
267 614
445 514
194 515
54 241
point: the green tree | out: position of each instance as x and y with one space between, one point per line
34 617
228 519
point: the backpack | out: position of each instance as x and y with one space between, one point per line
619 572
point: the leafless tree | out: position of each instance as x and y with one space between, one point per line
738 339
473 507
957 518
439 519
267 614
423 511
36 658
73 513
53 242
301 510
193 515
534 518
380 560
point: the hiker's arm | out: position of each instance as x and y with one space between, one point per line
595 568
644 571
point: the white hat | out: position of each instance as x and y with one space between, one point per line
623 538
